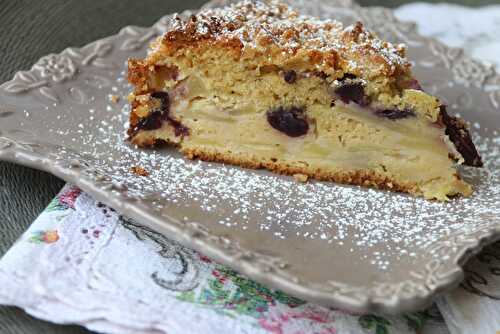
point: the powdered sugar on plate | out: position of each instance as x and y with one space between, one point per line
371 222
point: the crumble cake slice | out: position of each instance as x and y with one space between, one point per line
258 85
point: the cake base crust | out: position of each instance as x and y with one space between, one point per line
360 177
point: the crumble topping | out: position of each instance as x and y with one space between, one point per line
140 171
274 25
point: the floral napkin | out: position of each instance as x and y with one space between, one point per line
81 262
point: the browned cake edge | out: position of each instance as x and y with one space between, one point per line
356 177
361 178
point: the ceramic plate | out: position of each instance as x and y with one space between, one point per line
342 246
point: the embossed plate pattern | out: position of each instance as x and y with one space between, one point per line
359 249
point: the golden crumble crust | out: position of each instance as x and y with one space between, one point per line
278 35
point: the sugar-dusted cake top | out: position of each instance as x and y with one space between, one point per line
280 31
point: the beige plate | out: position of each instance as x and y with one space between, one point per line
359 249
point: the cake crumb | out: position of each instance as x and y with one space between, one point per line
300 177
139 171
114 98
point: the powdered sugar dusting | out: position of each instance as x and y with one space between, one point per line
376 224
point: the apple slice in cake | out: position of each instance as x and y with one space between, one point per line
258 85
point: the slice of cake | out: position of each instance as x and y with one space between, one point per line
259 85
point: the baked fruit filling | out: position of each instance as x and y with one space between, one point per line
257 85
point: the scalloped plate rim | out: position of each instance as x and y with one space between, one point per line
400 305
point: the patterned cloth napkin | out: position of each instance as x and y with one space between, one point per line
81 262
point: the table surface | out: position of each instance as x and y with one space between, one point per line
43 27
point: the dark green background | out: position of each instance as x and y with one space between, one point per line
30 30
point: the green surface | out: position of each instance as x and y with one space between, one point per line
30 30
